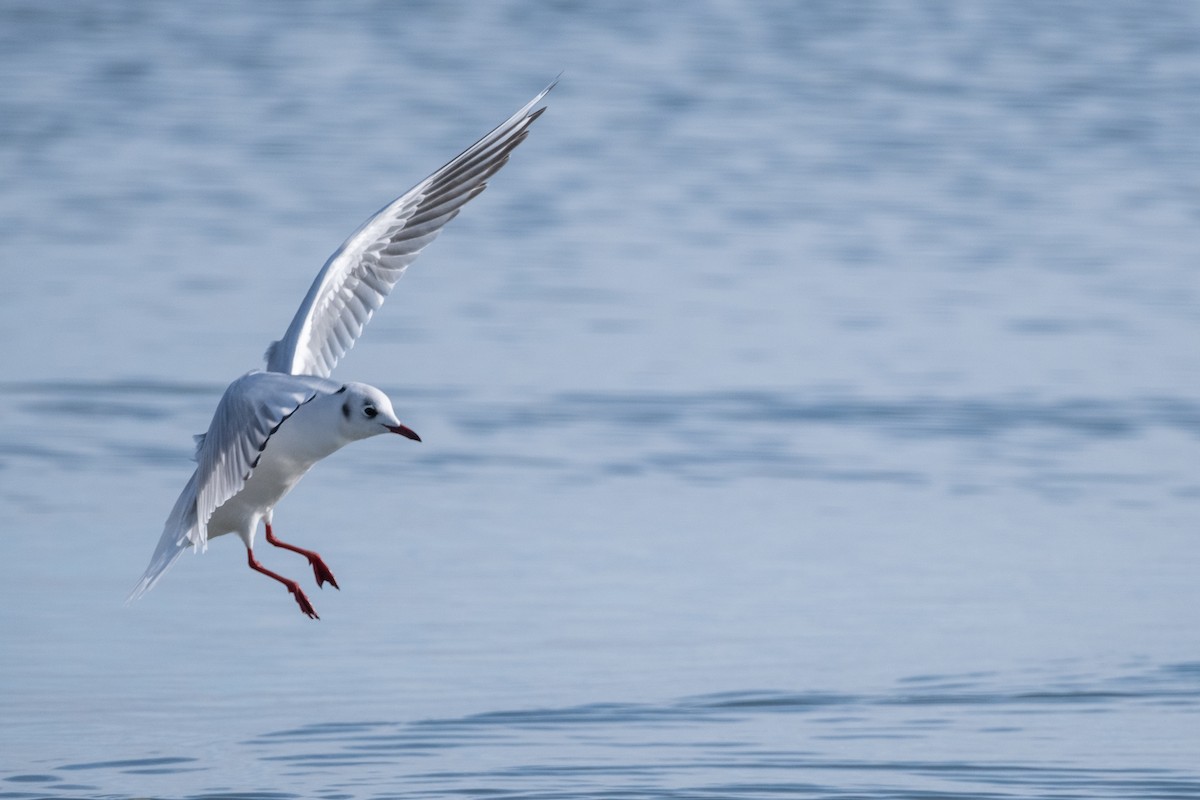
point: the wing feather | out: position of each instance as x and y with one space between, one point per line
249 413
358 277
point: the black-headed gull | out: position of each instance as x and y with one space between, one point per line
272 426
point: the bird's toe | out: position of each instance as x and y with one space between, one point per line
302 600
322 573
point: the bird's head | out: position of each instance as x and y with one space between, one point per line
366 412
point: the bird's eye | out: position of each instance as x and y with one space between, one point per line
370 411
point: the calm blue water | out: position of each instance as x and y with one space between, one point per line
810 409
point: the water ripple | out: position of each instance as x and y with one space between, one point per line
745 744
921 416
129 764
1034 445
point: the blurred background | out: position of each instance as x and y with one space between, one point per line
810 407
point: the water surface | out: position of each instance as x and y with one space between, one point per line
810 408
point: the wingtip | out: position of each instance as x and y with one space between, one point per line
542 96
145 584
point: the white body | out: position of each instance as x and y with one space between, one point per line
268 431
304 438
271 427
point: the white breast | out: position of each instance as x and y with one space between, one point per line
303 439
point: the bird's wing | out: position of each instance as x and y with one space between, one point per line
175 539
250 411
360 274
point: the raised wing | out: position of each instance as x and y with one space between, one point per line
360 274
250 411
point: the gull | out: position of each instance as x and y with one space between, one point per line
271 426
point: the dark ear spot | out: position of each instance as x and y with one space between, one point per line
346 409
339 391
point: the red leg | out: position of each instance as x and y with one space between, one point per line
321 571
292 586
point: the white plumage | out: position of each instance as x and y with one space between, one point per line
271 426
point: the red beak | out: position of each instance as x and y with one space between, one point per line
405 431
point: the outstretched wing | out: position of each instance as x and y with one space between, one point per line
360 274
250 411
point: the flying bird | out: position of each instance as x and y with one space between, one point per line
271 426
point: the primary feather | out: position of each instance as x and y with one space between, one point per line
360 274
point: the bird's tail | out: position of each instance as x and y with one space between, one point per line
177 536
